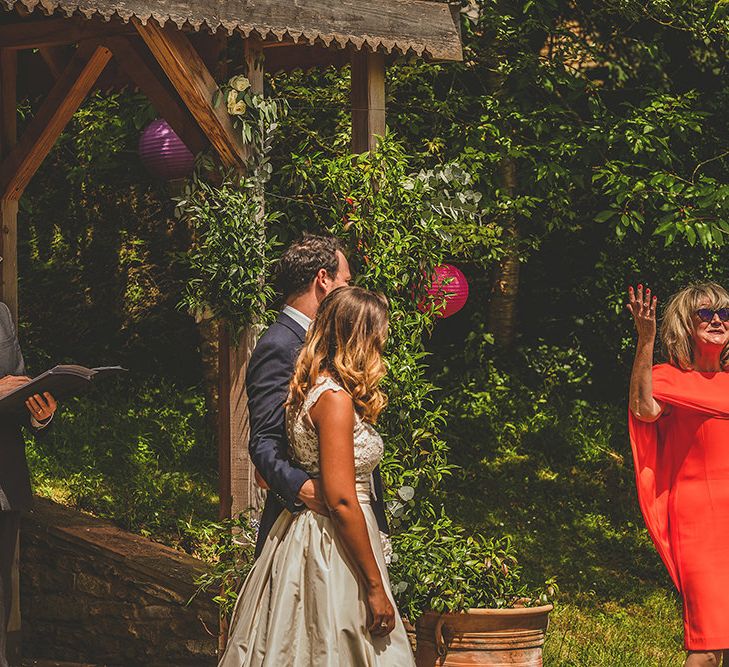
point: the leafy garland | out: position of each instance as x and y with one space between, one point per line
231 254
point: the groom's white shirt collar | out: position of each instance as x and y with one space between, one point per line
297 316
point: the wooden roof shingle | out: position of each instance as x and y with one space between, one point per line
424 27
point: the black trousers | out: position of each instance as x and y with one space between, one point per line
9 525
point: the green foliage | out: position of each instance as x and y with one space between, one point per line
647 172
230 547
440 567
232 252
231 255
400 223
391 223
141 453
97 239
553 469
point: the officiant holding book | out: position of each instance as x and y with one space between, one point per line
15 491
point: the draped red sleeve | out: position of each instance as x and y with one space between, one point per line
703 392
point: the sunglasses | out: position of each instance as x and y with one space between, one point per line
707 314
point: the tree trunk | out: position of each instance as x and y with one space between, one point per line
505 283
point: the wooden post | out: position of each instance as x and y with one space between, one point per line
238 490
368 100
8 207
9 291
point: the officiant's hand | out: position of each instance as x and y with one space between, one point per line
310 495
41 407
10 383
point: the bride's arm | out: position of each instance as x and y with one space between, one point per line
333 418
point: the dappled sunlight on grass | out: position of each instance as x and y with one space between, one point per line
584 631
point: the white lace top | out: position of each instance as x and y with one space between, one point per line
304 442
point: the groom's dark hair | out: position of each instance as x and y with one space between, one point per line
303 259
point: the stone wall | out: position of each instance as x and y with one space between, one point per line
93 593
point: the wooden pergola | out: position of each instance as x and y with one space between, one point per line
170 51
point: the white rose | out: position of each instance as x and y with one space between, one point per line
239 108
232 100
239 83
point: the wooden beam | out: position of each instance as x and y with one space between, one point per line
368 100
8 208
55 58
286 57
245 494
134 58
9 294
8 100
57 109
45 33
9 254
186 70
238 489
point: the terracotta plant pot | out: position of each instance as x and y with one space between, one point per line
493 637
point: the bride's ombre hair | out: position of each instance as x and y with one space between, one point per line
677 326
346 340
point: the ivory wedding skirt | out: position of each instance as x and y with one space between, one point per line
302 604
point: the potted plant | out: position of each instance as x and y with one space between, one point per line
465 596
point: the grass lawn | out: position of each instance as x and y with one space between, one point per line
587 632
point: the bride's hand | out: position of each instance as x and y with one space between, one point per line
381 610
643 309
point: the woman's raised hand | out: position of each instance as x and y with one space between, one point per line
642 307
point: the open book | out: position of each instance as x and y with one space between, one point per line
60 381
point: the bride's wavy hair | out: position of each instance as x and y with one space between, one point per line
346 340
677 326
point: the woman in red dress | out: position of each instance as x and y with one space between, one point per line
679 432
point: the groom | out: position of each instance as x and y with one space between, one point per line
310 269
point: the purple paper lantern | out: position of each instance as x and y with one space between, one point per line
450 289
163 152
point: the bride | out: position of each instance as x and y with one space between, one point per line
319 595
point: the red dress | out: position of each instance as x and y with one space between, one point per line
682 473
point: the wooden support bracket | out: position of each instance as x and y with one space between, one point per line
50 32
186 70
62 102
134 58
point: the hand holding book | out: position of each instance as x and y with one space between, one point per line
41 393
41 407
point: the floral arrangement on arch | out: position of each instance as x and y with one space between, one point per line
256 117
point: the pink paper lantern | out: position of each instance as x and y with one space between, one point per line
449 287
163 152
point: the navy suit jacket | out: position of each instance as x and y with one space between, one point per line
267 383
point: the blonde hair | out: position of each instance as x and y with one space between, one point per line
346 340
677 326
